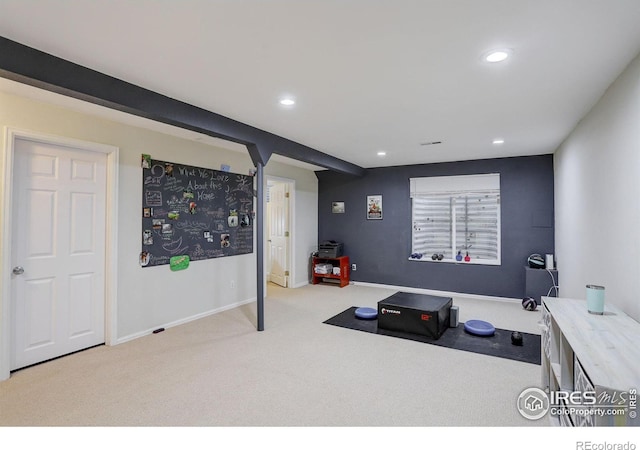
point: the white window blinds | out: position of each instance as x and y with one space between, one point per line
457 217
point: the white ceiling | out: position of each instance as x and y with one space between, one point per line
368 75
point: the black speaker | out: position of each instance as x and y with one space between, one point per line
536 261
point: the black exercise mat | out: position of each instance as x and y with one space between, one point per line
497 345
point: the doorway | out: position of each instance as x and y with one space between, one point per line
279 230
58 248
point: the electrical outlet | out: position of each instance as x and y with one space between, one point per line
353 267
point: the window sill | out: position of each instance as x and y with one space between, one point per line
453 261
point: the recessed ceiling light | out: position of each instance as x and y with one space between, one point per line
382 153
497 55
288 101
498 141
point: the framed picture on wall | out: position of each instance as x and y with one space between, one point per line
337 207
374 207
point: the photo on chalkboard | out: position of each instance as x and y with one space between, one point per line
224 241
144 258
233 219
337 207
147 237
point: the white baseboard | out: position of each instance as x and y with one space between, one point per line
306 283
438 293
183 321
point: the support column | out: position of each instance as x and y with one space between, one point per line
259 222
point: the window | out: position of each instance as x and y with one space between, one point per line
456 217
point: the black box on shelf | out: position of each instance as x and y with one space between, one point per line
427 315
330 249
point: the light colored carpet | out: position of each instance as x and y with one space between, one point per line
220 372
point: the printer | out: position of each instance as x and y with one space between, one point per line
330 249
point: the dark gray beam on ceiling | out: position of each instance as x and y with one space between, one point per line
30 66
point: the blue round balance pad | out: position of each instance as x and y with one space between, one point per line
366 313
479 328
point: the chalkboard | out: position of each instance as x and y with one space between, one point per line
192 211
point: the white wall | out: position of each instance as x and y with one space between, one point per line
154 296
597 198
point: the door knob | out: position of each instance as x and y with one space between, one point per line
18 270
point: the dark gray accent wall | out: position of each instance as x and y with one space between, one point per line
381 248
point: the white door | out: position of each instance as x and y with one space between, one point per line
58 251
278 234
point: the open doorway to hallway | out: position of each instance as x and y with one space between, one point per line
279 240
